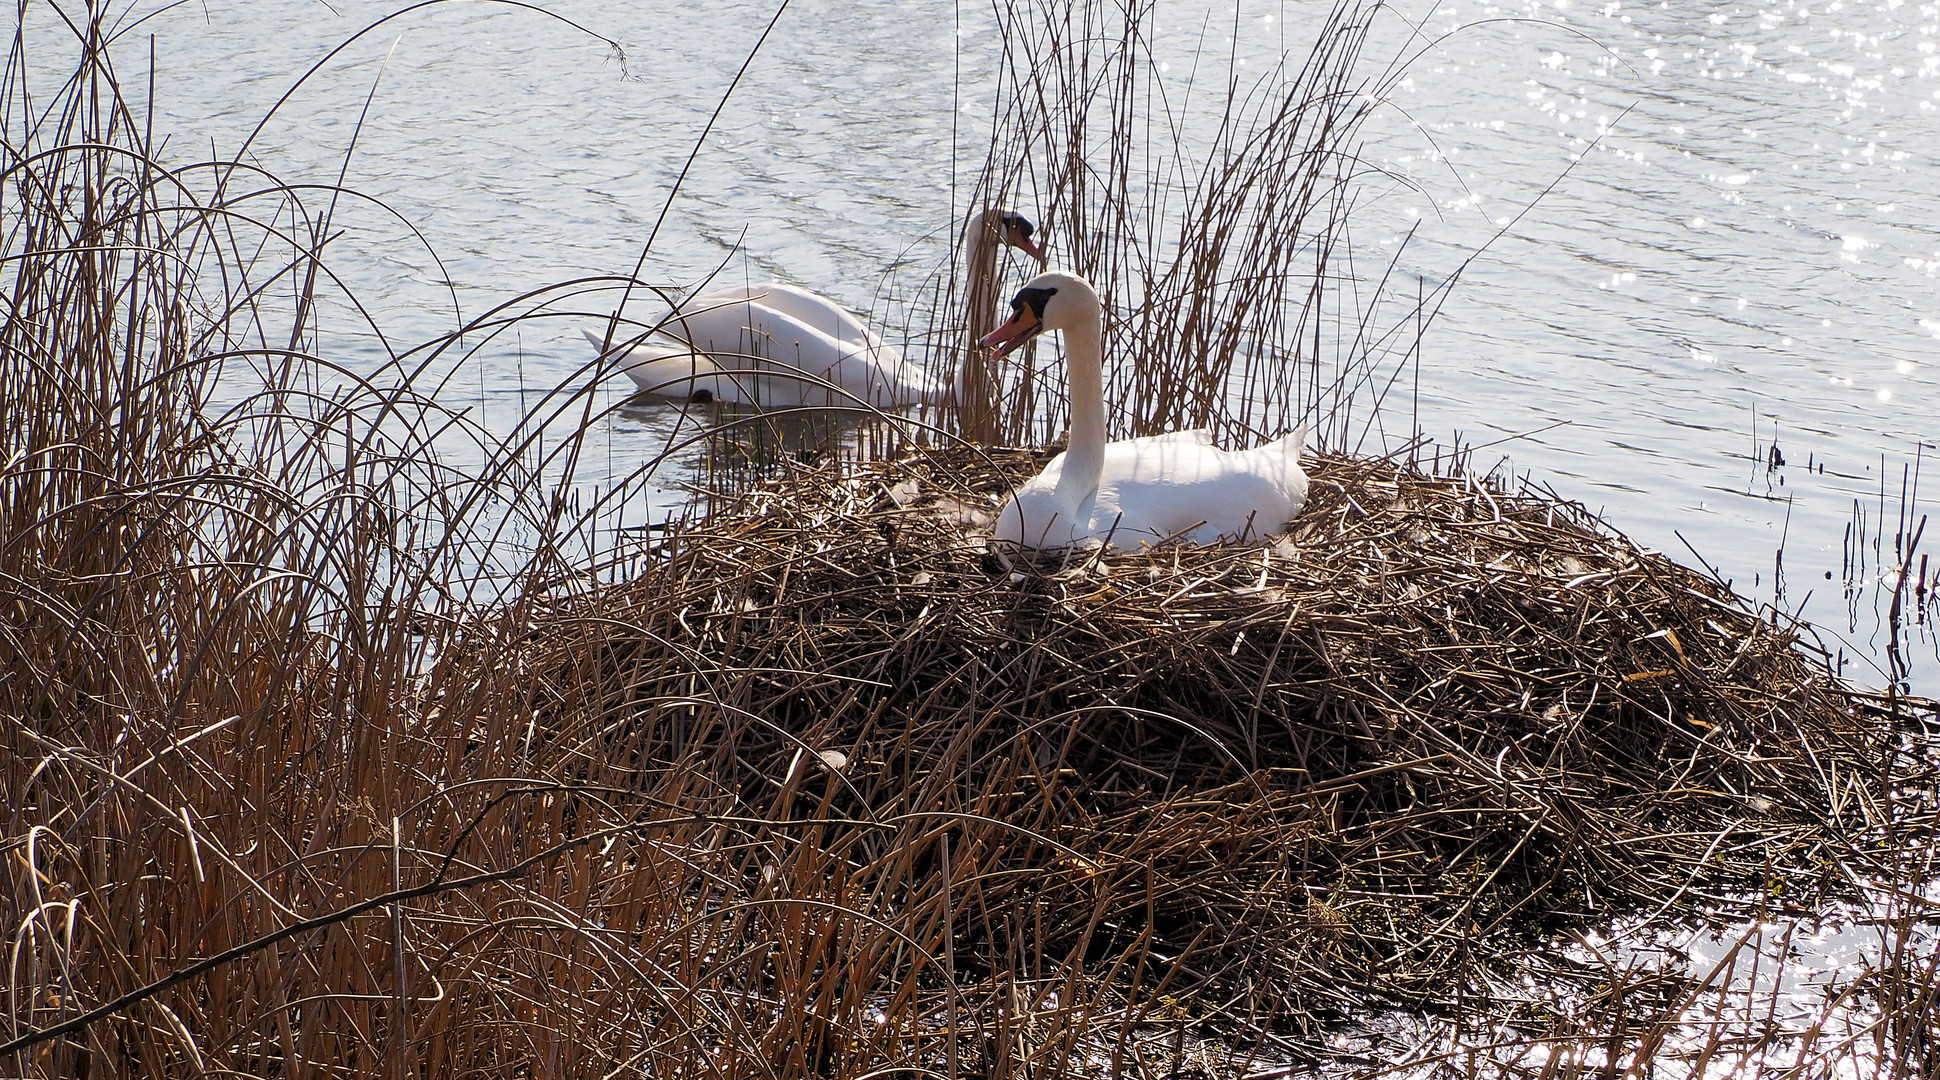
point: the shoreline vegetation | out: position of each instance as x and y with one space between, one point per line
822 786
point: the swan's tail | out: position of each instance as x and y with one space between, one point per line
1293 478
1289 444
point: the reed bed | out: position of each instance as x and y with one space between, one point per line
1209 202
324 755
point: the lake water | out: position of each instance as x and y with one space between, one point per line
1704 305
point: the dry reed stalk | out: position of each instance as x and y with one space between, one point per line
1361 767
277 801
213 672
1211 209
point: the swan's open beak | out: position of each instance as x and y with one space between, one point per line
1022 326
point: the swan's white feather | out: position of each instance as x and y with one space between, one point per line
1176 486
761 345
778 345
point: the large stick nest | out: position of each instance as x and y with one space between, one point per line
1434 719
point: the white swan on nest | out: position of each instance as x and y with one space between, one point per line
1177 486
777 345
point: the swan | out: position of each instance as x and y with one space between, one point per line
1177 486
978 414
778 345
772 345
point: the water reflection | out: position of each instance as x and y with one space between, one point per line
1752 173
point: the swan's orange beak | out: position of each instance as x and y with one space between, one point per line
1022 326
1021 240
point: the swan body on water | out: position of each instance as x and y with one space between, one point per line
777 345
1172 487
772 345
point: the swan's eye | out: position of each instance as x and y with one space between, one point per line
1020 223
1036 299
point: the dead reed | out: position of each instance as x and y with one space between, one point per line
1283 783
823 789
1209 202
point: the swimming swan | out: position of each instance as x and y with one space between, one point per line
1162 487
777 345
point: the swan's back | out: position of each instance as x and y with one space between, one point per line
793 328
810 309
1171 486
1176 486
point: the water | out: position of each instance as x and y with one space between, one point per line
1737 271
1704 302
1788 995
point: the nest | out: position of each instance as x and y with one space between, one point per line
1369 760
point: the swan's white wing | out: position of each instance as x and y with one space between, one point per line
811 309
741 332
1162 487
1181 485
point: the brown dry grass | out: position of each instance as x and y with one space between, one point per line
1211 209
1350 768
823 789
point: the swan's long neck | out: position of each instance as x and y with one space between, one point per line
975 394
980 268
1084 453
980 239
